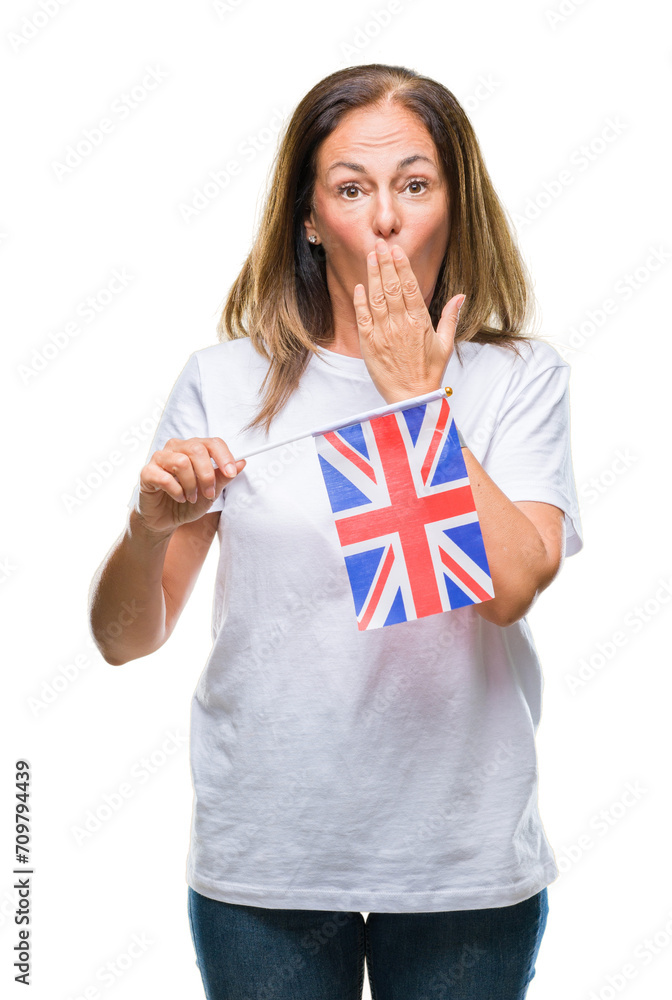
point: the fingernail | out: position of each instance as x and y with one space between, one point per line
397 254
209 492
230 469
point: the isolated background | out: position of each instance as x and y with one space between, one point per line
539 81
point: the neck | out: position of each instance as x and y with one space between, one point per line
346 333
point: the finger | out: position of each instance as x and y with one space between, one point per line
413 300
362 314
390 281
154 478
198 450
376 295
223 456
192 463
447 325
210 480
174 460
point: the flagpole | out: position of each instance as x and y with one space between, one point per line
403 404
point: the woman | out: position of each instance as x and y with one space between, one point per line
390 771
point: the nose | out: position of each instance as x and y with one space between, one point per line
386 221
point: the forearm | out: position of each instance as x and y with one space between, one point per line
127 610
517 556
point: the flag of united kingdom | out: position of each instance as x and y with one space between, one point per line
405 515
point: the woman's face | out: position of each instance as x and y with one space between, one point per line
366 189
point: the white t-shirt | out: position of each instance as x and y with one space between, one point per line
389 770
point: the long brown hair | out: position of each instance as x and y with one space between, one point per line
280 298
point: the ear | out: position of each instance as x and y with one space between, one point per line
309 224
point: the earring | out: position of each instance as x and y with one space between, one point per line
312 239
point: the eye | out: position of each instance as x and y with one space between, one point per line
417 180
351 186
348 187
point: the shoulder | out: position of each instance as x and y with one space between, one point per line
230 364
538 355
239 352
515 365
534 355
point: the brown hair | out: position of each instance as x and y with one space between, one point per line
280 298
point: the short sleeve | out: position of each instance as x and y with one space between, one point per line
183 416
529 456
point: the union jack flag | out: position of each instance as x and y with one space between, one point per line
405 515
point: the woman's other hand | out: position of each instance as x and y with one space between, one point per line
179 483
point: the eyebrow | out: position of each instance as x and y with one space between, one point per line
400 166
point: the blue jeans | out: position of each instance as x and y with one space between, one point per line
256 953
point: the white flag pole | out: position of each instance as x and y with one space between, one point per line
403 404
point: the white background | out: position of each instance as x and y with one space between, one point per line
539 81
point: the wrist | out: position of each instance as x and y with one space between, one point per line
401 395
140 531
